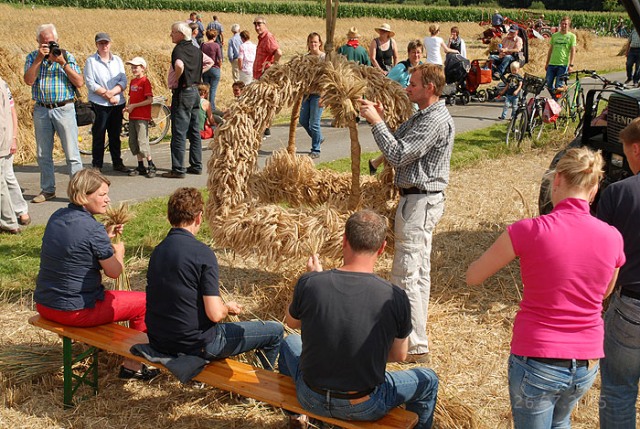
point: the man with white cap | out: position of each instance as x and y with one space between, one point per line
106 81
512 45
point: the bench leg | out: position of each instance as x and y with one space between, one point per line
88 377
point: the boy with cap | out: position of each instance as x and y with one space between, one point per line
353 50
139 109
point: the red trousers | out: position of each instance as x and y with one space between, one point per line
117 306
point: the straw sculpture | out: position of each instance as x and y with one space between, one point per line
290 208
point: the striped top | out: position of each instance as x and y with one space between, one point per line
420 149
52 84
634 39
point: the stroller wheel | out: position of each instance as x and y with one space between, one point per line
465 97
451 100
482 95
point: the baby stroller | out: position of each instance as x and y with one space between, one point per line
456 69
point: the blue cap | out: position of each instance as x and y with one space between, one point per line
513 28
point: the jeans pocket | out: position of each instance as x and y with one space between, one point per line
623 328
369 410
535 385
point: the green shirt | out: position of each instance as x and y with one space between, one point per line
562 44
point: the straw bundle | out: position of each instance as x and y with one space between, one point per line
113 217
322 200
22 363
451 414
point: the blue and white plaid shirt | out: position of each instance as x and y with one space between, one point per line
52 84
420 149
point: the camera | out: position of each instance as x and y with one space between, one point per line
54 49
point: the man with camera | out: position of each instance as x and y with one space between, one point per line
53 75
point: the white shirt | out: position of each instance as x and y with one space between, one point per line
247 54
433 46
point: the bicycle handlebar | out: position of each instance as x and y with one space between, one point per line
606 82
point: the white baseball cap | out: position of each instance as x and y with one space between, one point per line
138 61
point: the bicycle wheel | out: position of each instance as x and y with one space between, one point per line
516 128
84 139
160 122
562 123
536 125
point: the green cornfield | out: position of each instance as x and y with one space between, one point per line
584 20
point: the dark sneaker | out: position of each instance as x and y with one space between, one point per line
267 132
627 81
192 170
138 170
151 172
43 196
144 374
173 175
314 155
121 168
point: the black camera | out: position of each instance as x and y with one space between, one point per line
54 49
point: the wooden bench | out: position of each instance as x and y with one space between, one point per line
227 374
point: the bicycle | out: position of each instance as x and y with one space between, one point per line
159 126
527 119
571 99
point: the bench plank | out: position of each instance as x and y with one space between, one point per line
226 374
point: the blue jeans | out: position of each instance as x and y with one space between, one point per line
543 396
109 120
310 113
633 59
233 338
620 369
510 101
417 388
47 122
212 78
500 64
553 72
185 123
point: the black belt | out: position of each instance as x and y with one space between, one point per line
55 105
414 190
630 293
337 394
563 363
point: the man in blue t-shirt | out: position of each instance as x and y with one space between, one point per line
354 322
184 307
619 206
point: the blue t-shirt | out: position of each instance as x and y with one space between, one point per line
73 245
181 271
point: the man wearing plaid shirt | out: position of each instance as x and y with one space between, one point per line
420 151
53 79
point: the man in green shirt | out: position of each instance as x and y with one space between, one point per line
352 49
560 56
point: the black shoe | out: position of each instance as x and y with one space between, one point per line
192 170
151 173
627 81
173 175
121 167
372 169
138 170
144 374
267 132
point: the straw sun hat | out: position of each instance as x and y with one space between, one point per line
385 27
353 33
